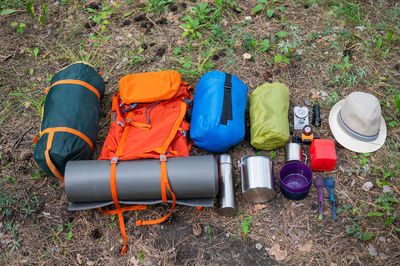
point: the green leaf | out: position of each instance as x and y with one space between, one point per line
7 11
264 45
42 20
397 102
127 14
285 59
390 34
282 34
106 21
96 19
103 28
368 236
272 154
69 236
36 52
374 214
270 13
385 53
277 58
184 34
246 224
45 9
177 50
91 10
262 1
31 71
30 8
378 45
14 24
258 8
199 35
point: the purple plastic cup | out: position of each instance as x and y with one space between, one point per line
295 177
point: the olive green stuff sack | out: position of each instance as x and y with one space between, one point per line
269 106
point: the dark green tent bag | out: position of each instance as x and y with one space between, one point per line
70 118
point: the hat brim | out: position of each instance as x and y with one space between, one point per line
348 141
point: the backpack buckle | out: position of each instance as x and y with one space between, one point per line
114 160
120 123
187 101
183 132
163 158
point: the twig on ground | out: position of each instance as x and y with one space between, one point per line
19 139
161 30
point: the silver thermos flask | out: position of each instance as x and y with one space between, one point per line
227 190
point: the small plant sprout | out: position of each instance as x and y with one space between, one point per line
246 224
31 10
264 45
20 26
33 52
281 58
379 44
345 66
264 5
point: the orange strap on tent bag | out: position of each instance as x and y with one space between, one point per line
51 131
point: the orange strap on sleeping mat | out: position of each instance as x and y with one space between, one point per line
164 186
113 185
51 131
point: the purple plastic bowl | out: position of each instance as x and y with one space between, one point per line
295 177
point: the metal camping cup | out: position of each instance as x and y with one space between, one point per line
226 192
258 184
294 152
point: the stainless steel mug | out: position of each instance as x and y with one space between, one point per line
227 189
294 152
258 184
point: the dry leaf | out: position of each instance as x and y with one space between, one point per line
79 258
314 94
46 55
90 263
305 247
259 207
197 230
134 261
246 56
277 252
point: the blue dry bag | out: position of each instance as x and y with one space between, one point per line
218 112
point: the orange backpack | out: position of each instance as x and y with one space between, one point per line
147 121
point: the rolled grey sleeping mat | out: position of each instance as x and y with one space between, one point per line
194 177
209 202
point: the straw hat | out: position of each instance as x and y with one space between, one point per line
357 124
